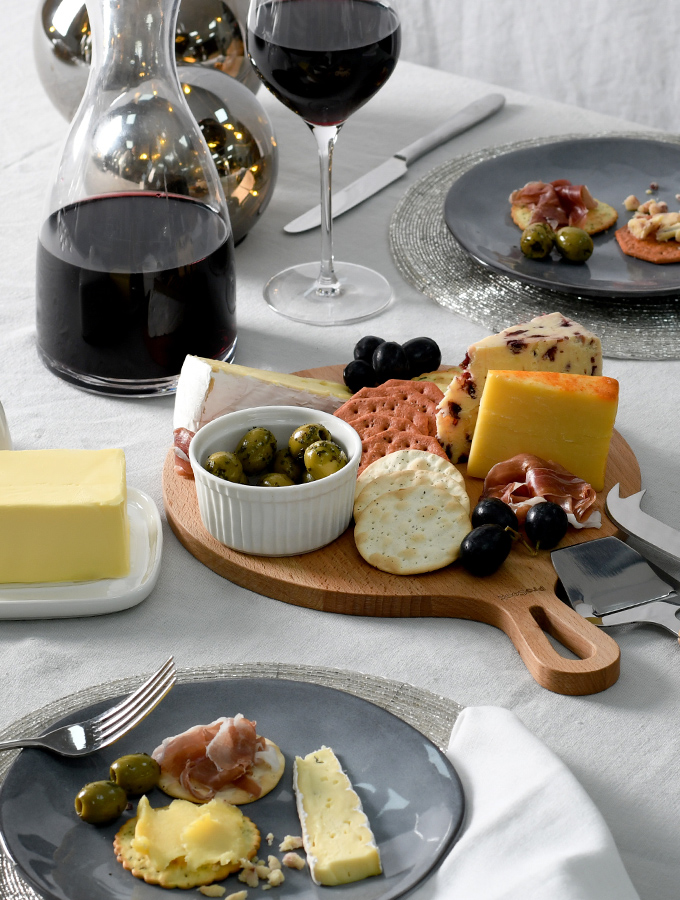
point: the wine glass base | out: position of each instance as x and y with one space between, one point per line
362 293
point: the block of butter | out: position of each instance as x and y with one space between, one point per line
63 515
336 833
568 419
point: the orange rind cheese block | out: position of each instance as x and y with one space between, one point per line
568 419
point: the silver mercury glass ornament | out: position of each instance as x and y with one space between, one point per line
209 33
240 138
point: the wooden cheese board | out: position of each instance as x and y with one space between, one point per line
520 598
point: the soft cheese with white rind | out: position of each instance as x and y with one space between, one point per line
208 388
550 343
336 833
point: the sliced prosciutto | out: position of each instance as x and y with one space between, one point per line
556 202
207 758
182 439
526 480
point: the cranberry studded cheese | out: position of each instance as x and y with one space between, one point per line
550 343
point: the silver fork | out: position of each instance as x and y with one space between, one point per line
102 730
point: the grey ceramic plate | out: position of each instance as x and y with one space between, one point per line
409 790
477 212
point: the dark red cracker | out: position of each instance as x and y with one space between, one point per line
373 424
429 388
392 406
389 441
648 248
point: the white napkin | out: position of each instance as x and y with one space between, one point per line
531 832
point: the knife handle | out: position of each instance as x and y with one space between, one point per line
527 618
464 119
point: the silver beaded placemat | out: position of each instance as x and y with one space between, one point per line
432 261
431 714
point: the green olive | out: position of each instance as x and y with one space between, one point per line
537 240
305 435
256 450
307 477
136 773
285 464
323 458
274 479
574 244
100 801
225 465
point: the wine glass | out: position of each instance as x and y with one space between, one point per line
324 59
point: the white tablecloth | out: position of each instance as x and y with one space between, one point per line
621 744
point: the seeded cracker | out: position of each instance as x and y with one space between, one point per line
407 459
177 874
599 219
412 530
395 481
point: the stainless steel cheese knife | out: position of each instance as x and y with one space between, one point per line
395 167
610 583
626 514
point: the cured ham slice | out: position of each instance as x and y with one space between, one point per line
556 202
526 480
182 439
207 758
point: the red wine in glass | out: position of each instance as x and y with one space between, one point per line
359 43
324 59
159 285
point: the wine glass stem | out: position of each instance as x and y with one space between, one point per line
327 284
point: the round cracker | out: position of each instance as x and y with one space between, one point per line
648 249
177 874
413 530
406 459
265 775
395 481
599 219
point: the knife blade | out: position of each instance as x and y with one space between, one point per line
395 167
626 514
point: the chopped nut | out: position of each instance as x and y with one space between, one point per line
293 861
276 877
290 842
214 890
266 887
270 838
248 875
631 202
649 191
644 208
273 862
658 206
654 185
237 895
262 870
677 197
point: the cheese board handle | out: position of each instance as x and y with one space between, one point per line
527 617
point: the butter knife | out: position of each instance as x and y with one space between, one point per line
395 167
626 514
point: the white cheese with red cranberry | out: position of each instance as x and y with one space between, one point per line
550 343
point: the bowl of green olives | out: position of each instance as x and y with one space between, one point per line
275 480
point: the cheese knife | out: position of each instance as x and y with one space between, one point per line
627 515
395 167
610 583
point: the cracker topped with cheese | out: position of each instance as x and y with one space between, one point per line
183 845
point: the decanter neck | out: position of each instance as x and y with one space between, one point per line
133 40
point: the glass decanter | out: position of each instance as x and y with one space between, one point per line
135 257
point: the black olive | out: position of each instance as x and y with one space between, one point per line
423 355
359 374
389 361
365 348
545 525
492 511
485 549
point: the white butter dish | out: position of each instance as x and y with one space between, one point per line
93 598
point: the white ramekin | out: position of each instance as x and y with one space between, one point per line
269 521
